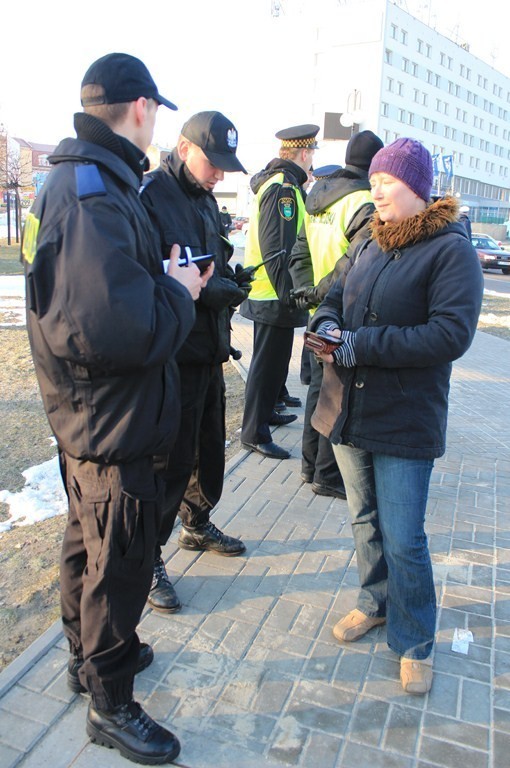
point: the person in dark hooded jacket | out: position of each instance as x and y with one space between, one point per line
275 219
339 209
406 306
178 197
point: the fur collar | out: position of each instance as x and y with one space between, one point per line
416 228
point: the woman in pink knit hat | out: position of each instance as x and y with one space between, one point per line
404 309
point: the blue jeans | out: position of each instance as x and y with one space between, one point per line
387 497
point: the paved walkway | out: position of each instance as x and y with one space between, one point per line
249 674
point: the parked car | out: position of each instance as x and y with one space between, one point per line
491 255
238 221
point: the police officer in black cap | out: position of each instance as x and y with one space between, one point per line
180 201
105 323
276 217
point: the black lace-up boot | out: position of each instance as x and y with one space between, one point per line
209 538
162 595
136 735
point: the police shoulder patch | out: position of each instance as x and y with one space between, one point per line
89 181
287 208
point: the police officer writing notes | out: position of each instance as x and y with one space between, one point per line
275 220
104 323
179 197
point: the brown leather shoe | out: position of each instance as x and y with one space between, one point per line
355 625
416 675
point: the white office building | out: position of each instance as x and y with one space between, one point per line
378 67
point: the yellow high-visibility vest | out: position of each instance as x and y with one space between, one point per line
261 288
325 232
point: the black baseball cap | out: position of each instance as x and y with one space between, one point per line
124 78
217 138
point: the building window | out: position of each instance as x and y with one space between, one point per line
428 50
394 30
430 76
401 115
388 55
405 65
420 46
410 118
416 96
389 84
425 99
403 37
438 81
400 88
425 123
384 109
414 69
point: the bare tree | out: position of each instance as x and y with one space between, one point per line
15 175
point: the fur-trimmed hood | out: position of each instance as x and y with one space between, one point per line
423 226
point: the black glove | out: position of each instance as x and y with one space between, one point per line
243 276
306 297
242 293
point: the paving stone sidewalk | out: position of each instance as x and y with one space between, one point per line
249 674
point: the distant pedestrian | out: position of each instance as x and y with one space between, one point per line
226 220
464 218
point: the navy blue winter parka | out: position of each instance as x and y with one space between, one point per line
104 321
413 295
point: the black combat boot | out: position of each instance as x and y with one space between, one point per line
136 735
162 595
209 538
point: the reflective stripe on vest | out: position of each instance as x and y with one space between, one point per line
261 288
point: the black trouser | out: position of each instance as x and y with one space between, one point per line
272 350
106 570
318 459
193 471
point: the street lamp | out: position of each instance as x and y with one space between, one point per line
353 113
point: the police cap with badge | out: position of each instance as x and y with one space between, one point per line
299 137
217 138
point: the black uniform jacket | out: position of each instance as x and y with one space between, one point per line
184 213
413 297
324 193
277 233
104 321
